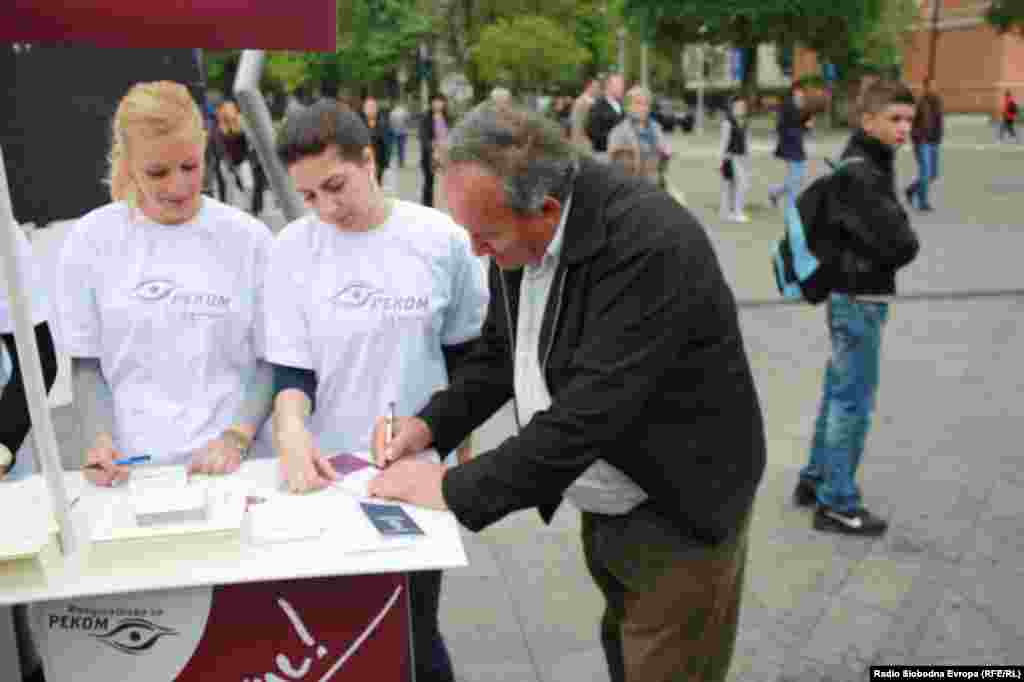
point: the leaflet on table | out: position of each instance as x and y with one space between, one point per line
331 514
27 523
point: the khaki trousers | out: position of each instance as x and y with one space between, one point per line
672 604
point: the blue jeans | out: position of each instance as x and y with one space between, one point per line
398 144
927 172
848 400
795 172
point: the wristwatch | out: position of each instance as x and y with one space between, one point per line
238 440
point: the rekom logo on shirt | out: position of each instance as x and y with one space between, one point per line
364 295
191 303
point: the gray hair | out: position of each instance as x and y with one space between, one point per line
522 148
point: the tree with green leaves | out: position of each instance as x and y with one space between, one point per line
591 23
1006 16
528 53
852 34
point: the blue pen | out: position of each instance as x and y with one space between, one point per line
124 461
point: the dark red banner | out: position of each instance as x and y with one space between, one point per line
307 25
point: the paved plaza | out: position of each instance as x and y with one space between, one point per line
943 461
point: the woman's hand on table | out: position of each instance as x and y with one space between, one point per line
303 467
409 436
219 456
99 466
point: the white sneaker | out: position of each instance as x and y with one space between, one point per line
741 218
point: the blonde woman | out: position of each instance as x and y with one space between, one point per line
637 143
161 305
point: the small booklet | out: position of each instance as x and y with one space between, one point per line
391 520
355 472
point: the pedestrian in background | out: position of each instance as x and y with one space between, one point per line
605 114
399 121
877 240
638 143
927 135
1008 114
791 127
734 150
380 134
434 128
580 113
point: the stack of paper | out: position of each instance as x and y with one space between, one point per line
162 495
118 522
29 528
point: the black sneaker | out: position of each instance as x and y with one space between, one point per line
859 522
806 493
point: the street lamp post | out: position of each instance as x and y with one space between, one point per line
934 42
622 51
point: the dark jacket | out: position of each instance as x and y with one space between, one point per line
600 121
641 349
427 139
929 122
737 136
380 138
866 211
791 127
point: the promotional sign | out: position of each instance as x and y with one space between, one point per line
314 630
214 24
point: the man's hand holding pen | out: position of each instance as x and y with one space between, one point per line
396 437
406 479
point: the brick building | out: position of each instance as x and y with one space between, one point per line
974 65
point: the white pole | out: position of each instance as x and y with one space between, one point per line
261 126
700 92
644 78
32 371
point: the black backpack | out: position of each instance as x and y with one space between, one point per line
805 260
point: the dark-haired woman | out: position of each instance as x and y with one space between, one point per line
369 301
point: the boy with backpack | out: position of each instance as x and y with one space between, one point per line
871 238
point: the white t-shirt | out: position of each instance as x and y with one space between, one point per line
36 289
368 312
174 313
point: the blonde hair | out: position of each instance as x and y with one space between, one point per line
229 118
149 110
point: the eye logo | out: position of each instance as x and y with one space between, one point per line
355 295
154 289
135 636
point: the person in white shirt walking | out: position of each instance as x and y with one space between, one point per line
734 150
370 301
160 303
